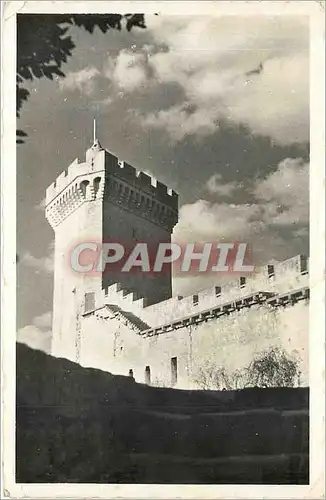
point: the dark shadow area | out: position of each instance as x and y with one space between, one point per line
83 425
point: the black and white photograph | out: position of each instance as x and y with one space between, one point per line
166 271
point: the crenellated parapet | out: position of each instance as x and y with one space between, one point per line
88 187
257 298
282 284
139 202
117 294
140 181
104 175
140 193
114 295
75 173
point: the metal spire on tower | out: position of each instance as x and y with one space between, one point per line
94 131
96 146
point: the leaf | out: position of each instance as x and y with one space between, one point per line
21 133
43 45
37 71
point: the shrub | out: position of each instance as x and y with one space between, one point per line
209 376
274 368
271 368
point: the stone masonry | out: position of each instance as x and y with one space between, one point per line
127 322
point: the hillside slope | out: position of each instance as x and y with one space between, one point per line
83 425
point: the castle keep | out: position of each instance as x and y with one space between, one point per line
129 322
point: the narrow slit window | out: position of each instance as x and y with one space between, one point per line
174 370
195 300
96 184
148 375
89 301
242 281
270 271
303 264
218 291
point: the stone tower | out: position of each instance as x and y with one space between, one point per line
103 199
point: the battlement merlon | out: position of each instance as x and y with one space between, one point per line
75 174
121 170
99 160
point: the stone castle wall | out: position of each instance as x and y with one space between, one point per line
230 342
100 160
280 278
94 201
134 323
122 334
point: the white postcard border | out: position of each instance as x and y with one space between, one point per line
11 489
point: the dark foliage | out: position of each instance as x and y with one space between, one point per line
43 44
274 368
271 368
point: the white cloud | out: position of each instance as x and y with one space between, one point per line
38 263
82 80
287 189
180 123
41 264
279 201
35 338
217 221
44 320
251 70
215 185
128 71
41 205
37 335
275 103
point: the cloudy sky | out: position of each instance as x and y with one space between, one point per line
215 107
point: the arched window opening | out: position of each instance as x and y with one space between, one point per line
83 187
96 184
242 281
